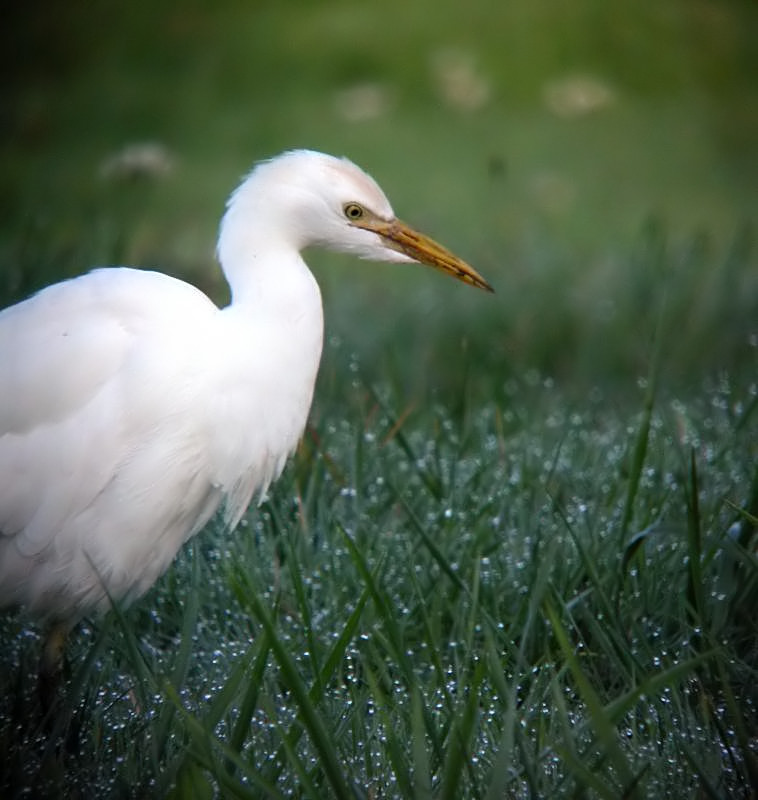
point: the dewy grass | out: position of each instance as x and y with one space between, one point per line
469 668
409 664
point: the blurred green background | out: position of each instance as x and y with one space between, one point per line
587 157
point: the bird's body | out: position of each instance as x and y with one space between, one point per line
141 410
132 408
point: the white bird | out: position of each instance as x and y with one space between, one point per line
133 408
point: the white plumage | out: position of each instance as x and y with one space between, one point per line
132 407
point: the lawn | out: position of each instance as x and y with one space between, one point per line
516 554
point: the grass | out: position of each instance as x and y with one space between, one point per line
448 615
515 554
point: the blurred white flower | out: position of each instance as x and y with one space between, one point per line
576 95
362 102
137 160
458 80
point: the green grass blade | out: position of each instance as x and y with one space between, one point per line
694 548
331 664
607 738
639 452
250 699
383 606
652 685
429 543
203 744
459 741
218 706
305 613
288 751
320 736
584 776
422 776
432 482
184 654
395 740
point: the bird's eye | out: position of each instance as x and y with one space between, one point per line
353 210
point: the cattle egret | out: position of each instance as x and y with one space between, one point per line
132 408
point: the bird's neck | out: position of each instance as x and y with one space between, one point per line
271 285
273 292
274 283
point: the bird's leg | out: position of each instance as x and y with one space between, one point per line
51 665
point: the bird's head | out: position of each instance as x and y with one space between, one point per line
303 198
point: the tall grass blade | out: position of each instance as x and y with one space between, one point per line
331 664
432 482
604 729
319 735
203 743
184 654
250 699
305 613
305 783
639 452
694 550
459 740
742 728
422 775
429 543
384 609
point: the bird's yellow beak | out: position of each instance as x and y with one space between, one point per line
423 249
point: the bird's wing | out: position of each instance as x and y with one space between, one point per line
72 370
62 346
